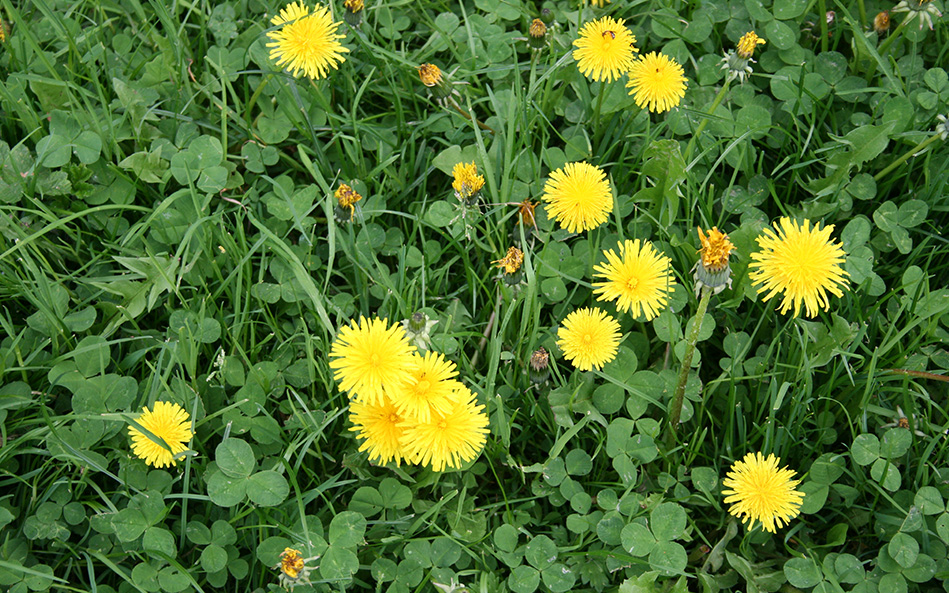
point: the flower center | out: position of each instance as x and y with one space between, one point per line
632 283
443 424
423 386
393 418
374 360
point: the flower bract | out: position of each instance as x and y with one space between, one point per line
578 196
657 82
800 262
638 279
370 357
448 440
589 338
168 423
605 49
306 43
758 490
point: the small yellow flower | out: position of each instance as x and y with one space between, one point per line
430 74
605 49
639 279
512 260
467 182
800 262
656 81
589 338
379 425
347 198
448 440
354 5
306 43
600 3
293 568
747 44
537 29
168 423
716 249
759 491
578 196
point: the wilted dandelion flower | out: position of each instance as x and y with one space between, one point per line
428 388
346 198
380 427
578 196
589 338
369 358
638 279
537 35
526 212
881 23
656 81
293 568
168 422
539 366
605 49
737 61
467 182
712 269
429 74
747 44
448 440
512 260
760 491
800 262
306 43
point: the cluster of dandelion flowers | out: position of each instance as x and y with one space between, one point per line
657 82
589 338
170 432
578 195
429 388
800 262
379 426
758 490
369 355
448 440
639 279
605 49
306 42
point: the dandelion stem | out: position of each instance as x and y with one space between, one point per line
822 9
675 408
471 118
863 13
892 38
718 101
596 114
909 154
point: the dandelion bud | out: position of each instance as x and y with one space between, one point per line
924 10
538 35
881 23
418 329
431 76
712 269
353 12
547 16
539 366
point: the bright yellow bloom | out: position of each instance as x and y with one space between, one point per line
448 440
380 428
306 43
512 261
430 74
802 263
600 3
638 279
589 338
429 388
168 423
716 249
467 182
747 44
656 81
605 49
370 358
760 491
578 196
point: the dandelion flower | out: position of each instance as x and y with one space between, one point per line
306 43
578 196
370 357
467 182
747 44
738 61
168 422
638 279
451 439
428 388
512 260
657 82
526 212
881 23
605 49
712 269
430 74
802 263
589 338
379 425
293 568
760 491
346 198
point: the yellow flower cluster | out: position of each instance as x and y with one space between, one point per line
406 406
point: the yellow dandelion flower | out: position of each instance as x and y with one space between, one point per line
589 338
716 249
759 491
451 439
600 3
467 182
605 49
379 426
747 44
428 388
306 43
370 358
638 279
430 74
656 81
537 29
168 423
802 263
511 262
346 198
354 5
578 196
293 568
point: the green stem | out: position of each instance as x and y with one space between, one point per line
822 8
596 113
675 408
909 154
863 13
891 39
718 101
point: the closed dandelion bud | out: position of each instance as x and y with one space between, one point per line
526 213
346 198
353 12
539 366
431 76
547 16
881 23
712 269
418 329
537 38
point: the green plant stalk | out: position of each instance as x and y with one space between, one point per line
596 113
675 408
698 131
863 13
909 154
892 38
822 8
